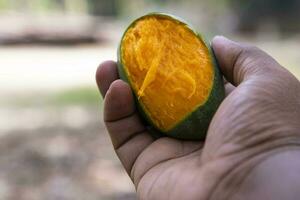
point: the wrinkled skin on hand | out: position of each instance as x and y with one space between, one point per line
252 149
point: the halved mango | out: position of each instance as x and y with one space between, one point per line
173 74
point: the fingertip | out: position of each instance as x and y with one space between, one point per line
106 73
227 52
103 68
229 88
220 43
218 38
118 101
119 87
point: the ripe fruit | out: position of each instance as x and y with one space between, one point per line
173 74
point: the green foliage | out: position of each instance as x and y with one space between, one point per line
79 96
3 4
44 6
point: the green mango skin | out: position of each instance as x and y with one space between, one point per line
193 126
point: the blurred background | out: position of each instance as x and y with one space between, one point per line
53 145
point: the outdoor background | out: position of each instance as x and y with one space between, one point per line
53 144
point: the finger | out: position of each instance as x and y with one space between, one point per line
228 88
126 130
225 81
240 62
106 73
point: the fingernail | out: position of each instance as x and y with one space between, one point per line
220 40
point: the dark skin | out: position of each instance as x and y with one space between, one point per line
252 148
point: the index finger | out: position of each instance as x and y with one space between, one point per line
128 133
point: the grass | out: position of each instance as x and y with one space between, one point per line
81 96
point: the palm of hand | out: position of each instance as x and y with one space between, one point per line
167 168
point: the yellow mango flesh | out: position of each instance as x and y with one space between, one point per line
169 68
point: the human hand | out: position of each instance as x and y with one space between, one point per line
252 145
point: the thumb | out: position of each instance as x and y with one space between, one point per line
239 62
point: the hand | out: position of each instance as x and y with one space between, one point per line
252 149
